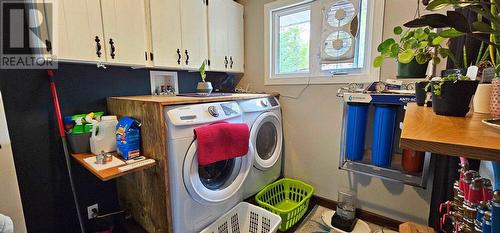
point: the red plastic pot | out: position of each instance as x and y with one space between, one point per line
413 161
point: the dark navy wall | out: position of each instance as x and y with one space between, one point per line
39 159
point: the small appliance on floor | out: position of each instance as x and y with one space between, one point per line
201 194
263 117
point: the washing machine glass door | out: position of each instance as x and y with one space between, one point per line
267 137
215 182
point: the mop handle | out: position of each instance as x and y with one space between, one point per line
55 100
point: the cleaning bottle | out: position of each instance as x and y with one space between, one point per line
103 135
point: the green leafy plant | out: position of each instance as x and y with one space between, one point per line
452 77
202 72
455 24
421 44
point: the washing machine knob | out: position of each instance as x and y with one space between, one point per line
213 111
264 103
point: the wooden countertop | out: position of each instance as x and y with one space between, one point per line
176 100
106 174
455 136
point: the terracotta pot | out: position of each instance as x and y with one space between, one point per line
495 98
413 161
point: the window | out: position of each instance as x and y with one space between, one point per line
321 41
292 40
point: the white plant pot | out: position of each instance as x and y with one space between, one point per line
482 98
204 88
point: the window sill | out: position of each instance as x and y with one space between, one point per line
321 80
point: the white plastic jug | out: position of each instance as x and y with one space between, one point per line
103 135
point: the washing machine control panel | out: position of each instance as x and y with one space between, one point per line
203 113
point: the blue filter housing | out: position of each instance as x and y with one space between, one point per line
356 127
496 174
383 134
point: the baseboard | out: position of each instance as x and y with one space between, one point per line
362 214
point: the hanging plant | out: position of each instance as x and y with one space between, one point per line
421 44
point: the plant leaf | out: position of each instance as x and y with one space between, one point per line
378 61
394 51
451 33
421 58
406 56
458 21
437 4
386 45
423 44
482 27
431 20
437 40
398 30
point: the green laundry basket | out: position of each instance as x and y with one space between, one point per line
287 198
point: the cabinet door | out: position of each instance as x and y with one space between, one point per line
194 33
218 34
166 33
125 31
236 38
79 24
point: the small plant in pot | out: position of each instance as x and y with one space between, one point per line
452 95
204 87
416 47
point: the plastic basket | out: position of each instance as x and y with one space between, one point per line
245 218
287 198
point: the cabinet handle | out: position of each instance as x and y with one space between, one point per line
225 62
187 57
113 49
98 46
179 56
231 62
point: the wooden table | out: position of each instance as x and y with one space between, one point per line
423 130
106 174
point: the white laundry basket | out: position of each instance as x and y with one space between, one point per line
245 218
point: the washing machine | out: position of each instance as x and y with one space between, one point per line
263 117
201 194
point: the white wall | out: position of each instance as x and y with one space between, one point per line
312 124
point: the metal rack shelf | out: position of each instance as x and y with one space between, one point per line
393 173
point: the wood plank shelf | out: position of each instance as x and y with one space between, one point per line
110 173
468 137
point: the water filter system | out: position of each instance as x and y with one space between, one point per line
370 137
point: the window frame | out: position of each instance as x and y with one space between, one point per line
375 18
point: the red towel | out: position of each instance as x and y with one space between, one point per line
221 141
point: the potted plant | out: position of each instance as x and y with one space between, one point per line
204 88
413 51
451 95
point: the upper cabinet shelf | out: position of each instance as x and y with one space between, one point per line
455 136
169 34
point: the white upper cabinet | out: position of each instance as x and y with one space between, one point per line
80 25
194 33
225 29
166 33
236 38
218 34
124 23
173 34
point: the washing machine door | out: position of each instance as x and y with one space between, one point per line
217 182
266 136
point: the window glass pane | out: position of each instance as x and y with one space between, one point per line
293 42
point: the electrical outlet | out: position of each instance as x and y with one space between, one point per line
92 211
